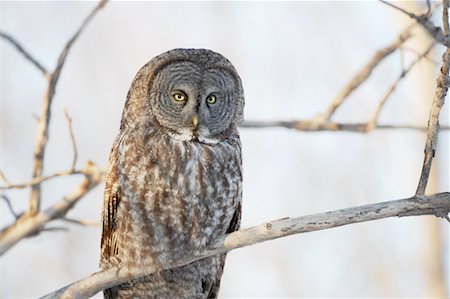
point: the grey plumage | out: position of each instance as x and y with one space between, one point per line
175 175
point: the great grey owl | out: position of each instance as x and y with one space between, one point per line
175 175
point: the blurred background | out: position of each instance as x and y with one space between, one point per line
293 58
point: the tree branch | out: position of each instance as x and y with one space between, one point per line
433 121
314 125
8 203
72 138
373 120
437 204
39 180
28 224
365 72
24 52
433 30
44 118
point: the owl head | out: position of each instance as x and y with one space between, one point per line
190 94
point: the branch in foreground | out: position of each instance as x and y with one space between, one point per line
314 125
29 224
437 204
44 118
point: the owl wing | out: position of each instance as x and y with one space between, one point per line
235 223
111 201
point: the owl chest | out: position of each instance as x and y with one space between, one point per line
180 197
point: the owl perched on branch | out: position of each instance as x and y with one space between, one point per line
175 175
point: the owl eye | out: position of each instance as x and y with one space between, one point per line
179 96
211 99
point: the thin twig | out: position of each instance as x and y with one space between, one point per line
428 58
72 138
433 121
45 115
365 72
28 224
81 222
312 125
402 57
411 15
428 13
8 203
437 204
433 30
3 177
39 180
54 229
373 120
24 52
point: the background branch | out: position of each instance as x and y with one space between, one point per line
373 120
41 179
72 138
314 125
437 204
28 224
45 115
424 20
34 221
364 73
24 52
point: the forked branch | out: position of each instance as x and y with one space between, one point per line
27 224
45 115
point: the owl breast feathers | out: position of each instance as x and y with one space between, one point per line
175 175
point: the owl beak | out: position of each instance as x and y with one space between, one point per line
195 121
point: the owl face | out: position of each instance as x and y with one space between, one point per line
194 102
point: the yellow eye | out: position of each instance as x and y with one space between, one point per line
179 97
211 99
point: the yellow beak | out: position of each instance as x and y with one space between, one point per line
195 121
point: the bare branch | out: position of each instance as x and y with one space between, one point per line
437 204
24 52
445 18
39 180
433 121
81 222
54 229
411 15
313 125
365 72
45 115
29 224
8 203
433 30
3 177
428 58
72 138
373 120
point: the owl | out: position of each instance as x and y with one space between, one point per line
174 182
